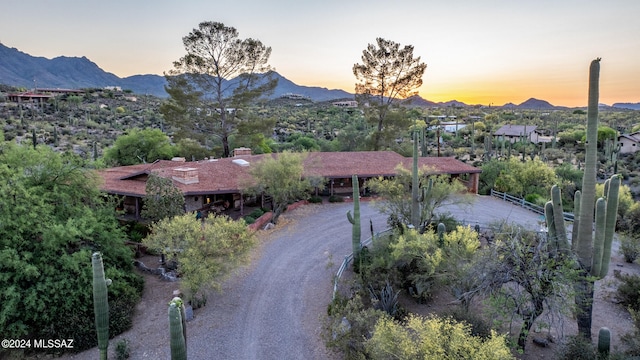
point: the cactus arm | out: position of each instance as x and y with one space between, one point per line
349 217
551 228
178 342
598 240
558 220
100 304
610 222
577 198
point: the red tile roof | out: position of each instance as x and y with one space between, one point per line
224 176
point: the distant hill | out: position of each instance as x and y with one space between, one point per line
630 106
23 70
535 104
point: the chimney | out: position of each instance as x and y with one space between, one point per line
241 151
185 175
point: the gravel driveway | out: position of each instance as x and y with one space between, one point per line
274 308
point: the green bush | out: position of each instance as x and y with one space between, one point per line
256 213
315 199
630 247
249 219
336 199
629 290
122 349
478 325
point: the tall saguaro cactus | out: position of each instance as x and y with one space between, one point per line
415 186
177 330
355 219
593 250
100 304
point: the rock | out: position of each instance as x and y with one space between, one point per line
188 312
542 342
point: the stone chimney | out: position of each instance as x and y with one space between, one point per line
241 151
185 175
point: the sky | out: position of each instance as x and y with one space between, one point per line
488 52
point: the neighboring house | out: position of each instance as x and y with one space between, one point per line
629 143
514 133
219 182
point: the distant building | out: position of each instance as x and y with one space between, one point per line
629 143
346 104
513 133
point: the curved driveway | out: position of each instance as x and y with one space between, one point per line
275 310
275 307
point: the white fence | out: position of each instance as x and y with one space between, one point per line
525 204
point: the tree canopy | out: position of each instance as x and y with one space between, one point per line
388 73
52 218
138 147
211 85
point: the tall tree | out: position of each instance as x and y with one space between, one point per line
218 77
387 74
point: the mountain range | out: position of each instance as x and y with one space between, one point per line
23 70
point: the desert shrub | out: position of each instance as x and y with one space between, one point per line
631 340
249 219
478 325
630 247
579 348
122 349
315 199
432 338
336 199
256 213
350 322
628 292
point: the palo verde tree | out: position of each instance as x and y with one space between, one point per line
435 191
388 74
281 177
205 250
211 86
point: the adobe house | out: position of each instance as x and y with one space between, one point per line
514 133
217 184
629 143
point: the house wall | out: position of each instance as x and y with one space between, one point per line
627 145
193 202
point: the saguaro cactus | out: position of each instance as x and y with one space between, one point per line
415 186
441 230
355 219
177 330
100 304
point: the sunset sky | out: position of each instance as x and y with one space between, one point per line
477 52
